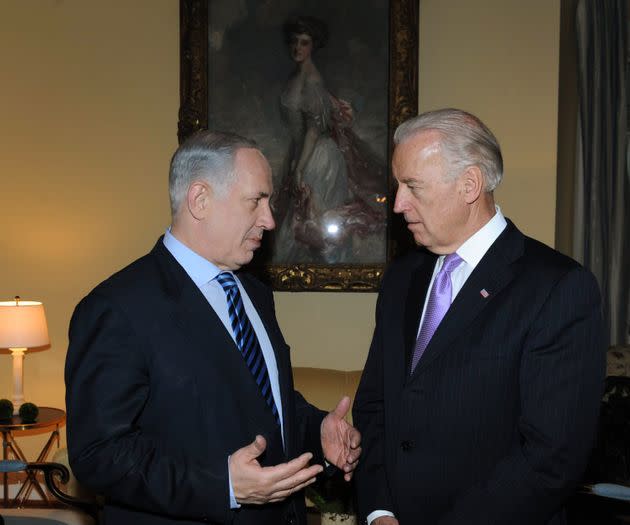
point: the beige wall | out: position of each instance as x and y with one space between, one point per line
89 103
499 60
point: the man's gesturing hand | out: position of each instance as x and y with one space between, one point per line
341 441
253 484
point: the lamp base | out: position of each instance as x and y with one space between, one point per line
16 407
18 378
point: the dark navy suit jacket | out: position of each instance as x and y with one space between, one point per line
158 396
496 423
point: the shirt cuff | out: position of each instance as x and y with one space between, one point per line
233 503
377 514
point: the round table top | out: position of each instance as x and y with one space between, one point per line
47 417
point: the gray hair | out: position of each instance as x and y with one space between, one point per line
465 142
208 156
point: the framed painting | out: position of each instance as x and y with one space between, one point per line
320 85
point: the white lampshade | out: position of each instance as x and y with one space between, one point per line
22 324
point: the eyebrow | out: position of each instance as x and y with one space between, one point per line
411 179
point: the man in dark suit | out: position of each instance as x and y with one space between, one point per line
479 399
180 399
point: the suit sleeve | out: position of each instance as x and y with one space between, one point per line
368 416
561 382
107 387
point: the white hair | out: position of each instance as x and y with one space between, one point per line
464 139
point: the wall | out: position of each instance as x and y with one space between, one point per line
499 60
89 110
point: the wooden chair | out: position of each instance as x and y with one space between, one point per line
54 473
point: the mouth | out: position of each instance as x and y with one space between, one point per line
255 241
416 227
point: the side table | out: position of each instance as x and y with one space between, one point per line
48 418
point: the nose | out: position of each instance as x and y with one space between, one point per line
266 221
400 202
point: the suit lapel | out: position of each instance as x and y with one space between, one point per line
209 343
191 311
492 274
416 295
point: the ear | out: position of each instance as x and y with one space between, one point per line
472 181
198 199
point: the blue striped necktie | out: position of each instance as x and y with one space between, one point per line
246 339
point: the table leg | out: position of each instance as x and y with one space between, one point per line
32 481
10 445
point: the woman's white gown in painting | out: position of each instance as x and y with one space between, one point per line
337 213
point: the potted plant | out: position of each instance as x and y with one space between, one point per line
333 497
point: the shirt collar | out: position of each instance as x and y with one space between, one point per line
198 268
476 246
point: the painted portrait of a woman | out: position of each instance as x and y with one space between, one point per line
311 89
330 207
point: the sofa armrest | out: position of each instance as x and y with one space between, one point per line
324 387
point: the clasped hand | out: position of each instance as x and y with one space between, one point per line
254 484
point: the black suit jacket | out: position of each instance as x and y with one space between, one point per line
158 396
496 422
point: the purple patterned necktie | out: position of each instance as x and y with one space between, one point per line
439 303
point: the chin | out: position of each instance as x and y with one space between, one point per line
419 240
246 259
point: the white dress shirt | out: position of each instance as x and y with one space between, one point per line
471 252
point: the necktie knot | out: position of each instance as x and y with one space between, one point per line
227 281
451 261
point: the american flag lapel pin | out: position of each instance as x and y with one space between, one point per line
484 293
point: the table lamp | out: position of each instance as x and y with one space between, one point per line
22 326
